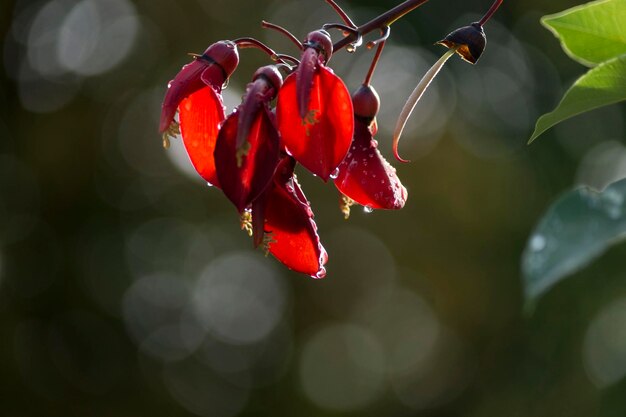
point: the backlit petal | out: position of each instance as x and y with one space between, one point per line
289 225
321 139
245 171
200 116
366 177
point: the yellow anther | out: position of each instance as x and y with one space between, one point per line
246 222
173 130
268 239
344 205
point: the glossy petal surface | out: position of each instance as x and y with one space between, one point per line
290 226
200 116
304 79
366 177
244 172
321 140
187 81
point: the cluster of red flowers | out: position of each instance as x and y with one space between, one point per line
251 154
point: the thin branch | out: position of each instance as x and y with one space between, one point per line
370 72
344 16
490 12
292 38
381 21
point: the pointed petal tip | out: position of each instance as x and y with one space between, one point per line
396 154
320 274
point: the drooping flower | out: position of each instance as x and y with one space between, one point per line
282 220
314 110
196 92
365 176
211 68
247 148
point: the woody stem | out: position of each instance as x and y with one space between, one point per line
381 21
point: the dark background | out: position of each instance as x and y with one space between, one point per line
127 288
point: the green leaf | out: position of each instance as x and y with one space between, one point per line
592 33
577 228
600 86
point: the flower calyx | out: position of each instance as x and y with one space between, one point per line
469 41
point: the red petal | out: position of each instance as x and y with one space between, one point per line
187 81
304 79
321 140
245 174
366 177
290 226
214 76
200 116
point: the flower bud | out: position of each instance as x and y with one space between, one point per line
271 74
225 54
320 40
469 40
365 102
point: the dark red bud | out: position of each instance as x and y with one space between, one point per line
470 41
272 75
365 102
320 40
225 54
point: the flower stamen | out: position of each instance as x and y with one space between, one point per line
173 130
344 205
245 222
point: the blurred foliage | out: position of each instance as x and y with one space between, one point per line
577 228
126 287
592 34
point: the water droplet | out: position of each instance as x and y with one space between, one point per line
209 184
321 273
537 243
367 209
335 174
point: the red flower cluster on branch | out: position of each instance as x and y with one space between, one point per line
251 154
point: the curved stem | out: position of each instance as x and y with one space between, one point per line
385 32
381 21
284 57
244 43
292 38
370 72
344 16
490 12
414 98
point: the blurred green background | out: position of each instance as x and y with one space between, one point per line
127 288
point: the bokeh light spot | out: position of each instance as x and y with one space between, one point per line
341 367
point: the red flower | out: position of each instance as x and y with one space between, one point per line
200 116
314 110
364 175
282 219
246 153
195 91
211 68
